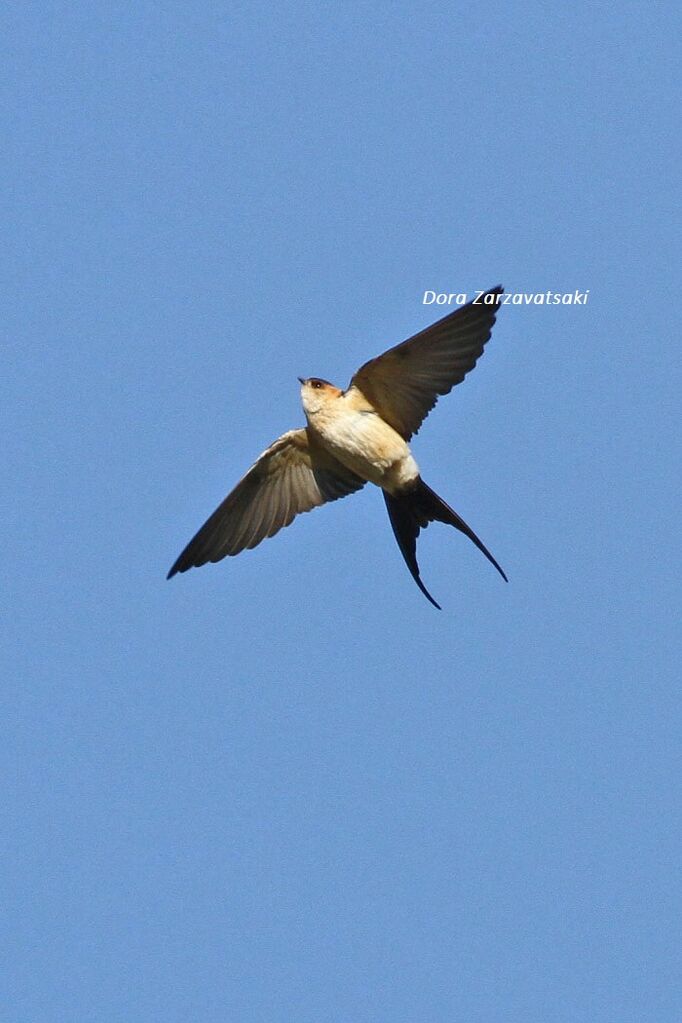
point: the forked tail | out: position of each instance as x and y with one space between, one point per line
412 511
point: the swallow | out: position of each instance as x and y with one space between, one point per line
354 437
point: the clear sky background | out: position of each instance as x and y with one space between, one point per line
285 787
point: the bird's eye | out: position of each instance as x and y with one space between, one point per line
317 384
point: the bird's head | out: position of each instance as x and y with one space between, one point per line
316 393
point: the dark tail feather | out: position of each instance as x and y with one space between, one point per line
412 511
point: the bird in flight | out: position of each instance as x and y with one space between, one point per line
354 437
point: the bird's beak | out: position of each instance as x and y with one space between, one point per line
301 380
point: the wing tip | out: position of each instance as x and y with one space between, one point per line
497 291
182 564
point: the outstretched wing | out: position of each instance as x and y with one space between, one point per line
292 476
405 382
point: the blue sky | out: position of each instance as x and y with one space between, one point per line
285 787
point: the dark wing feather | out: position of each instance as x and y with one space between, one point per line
405 382
292 476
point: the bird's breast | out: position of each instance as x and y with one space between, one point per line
367 445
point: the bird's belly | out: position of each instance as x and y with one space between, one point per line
372 449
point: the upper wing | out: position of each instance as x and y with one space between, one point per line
404 383
293 475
